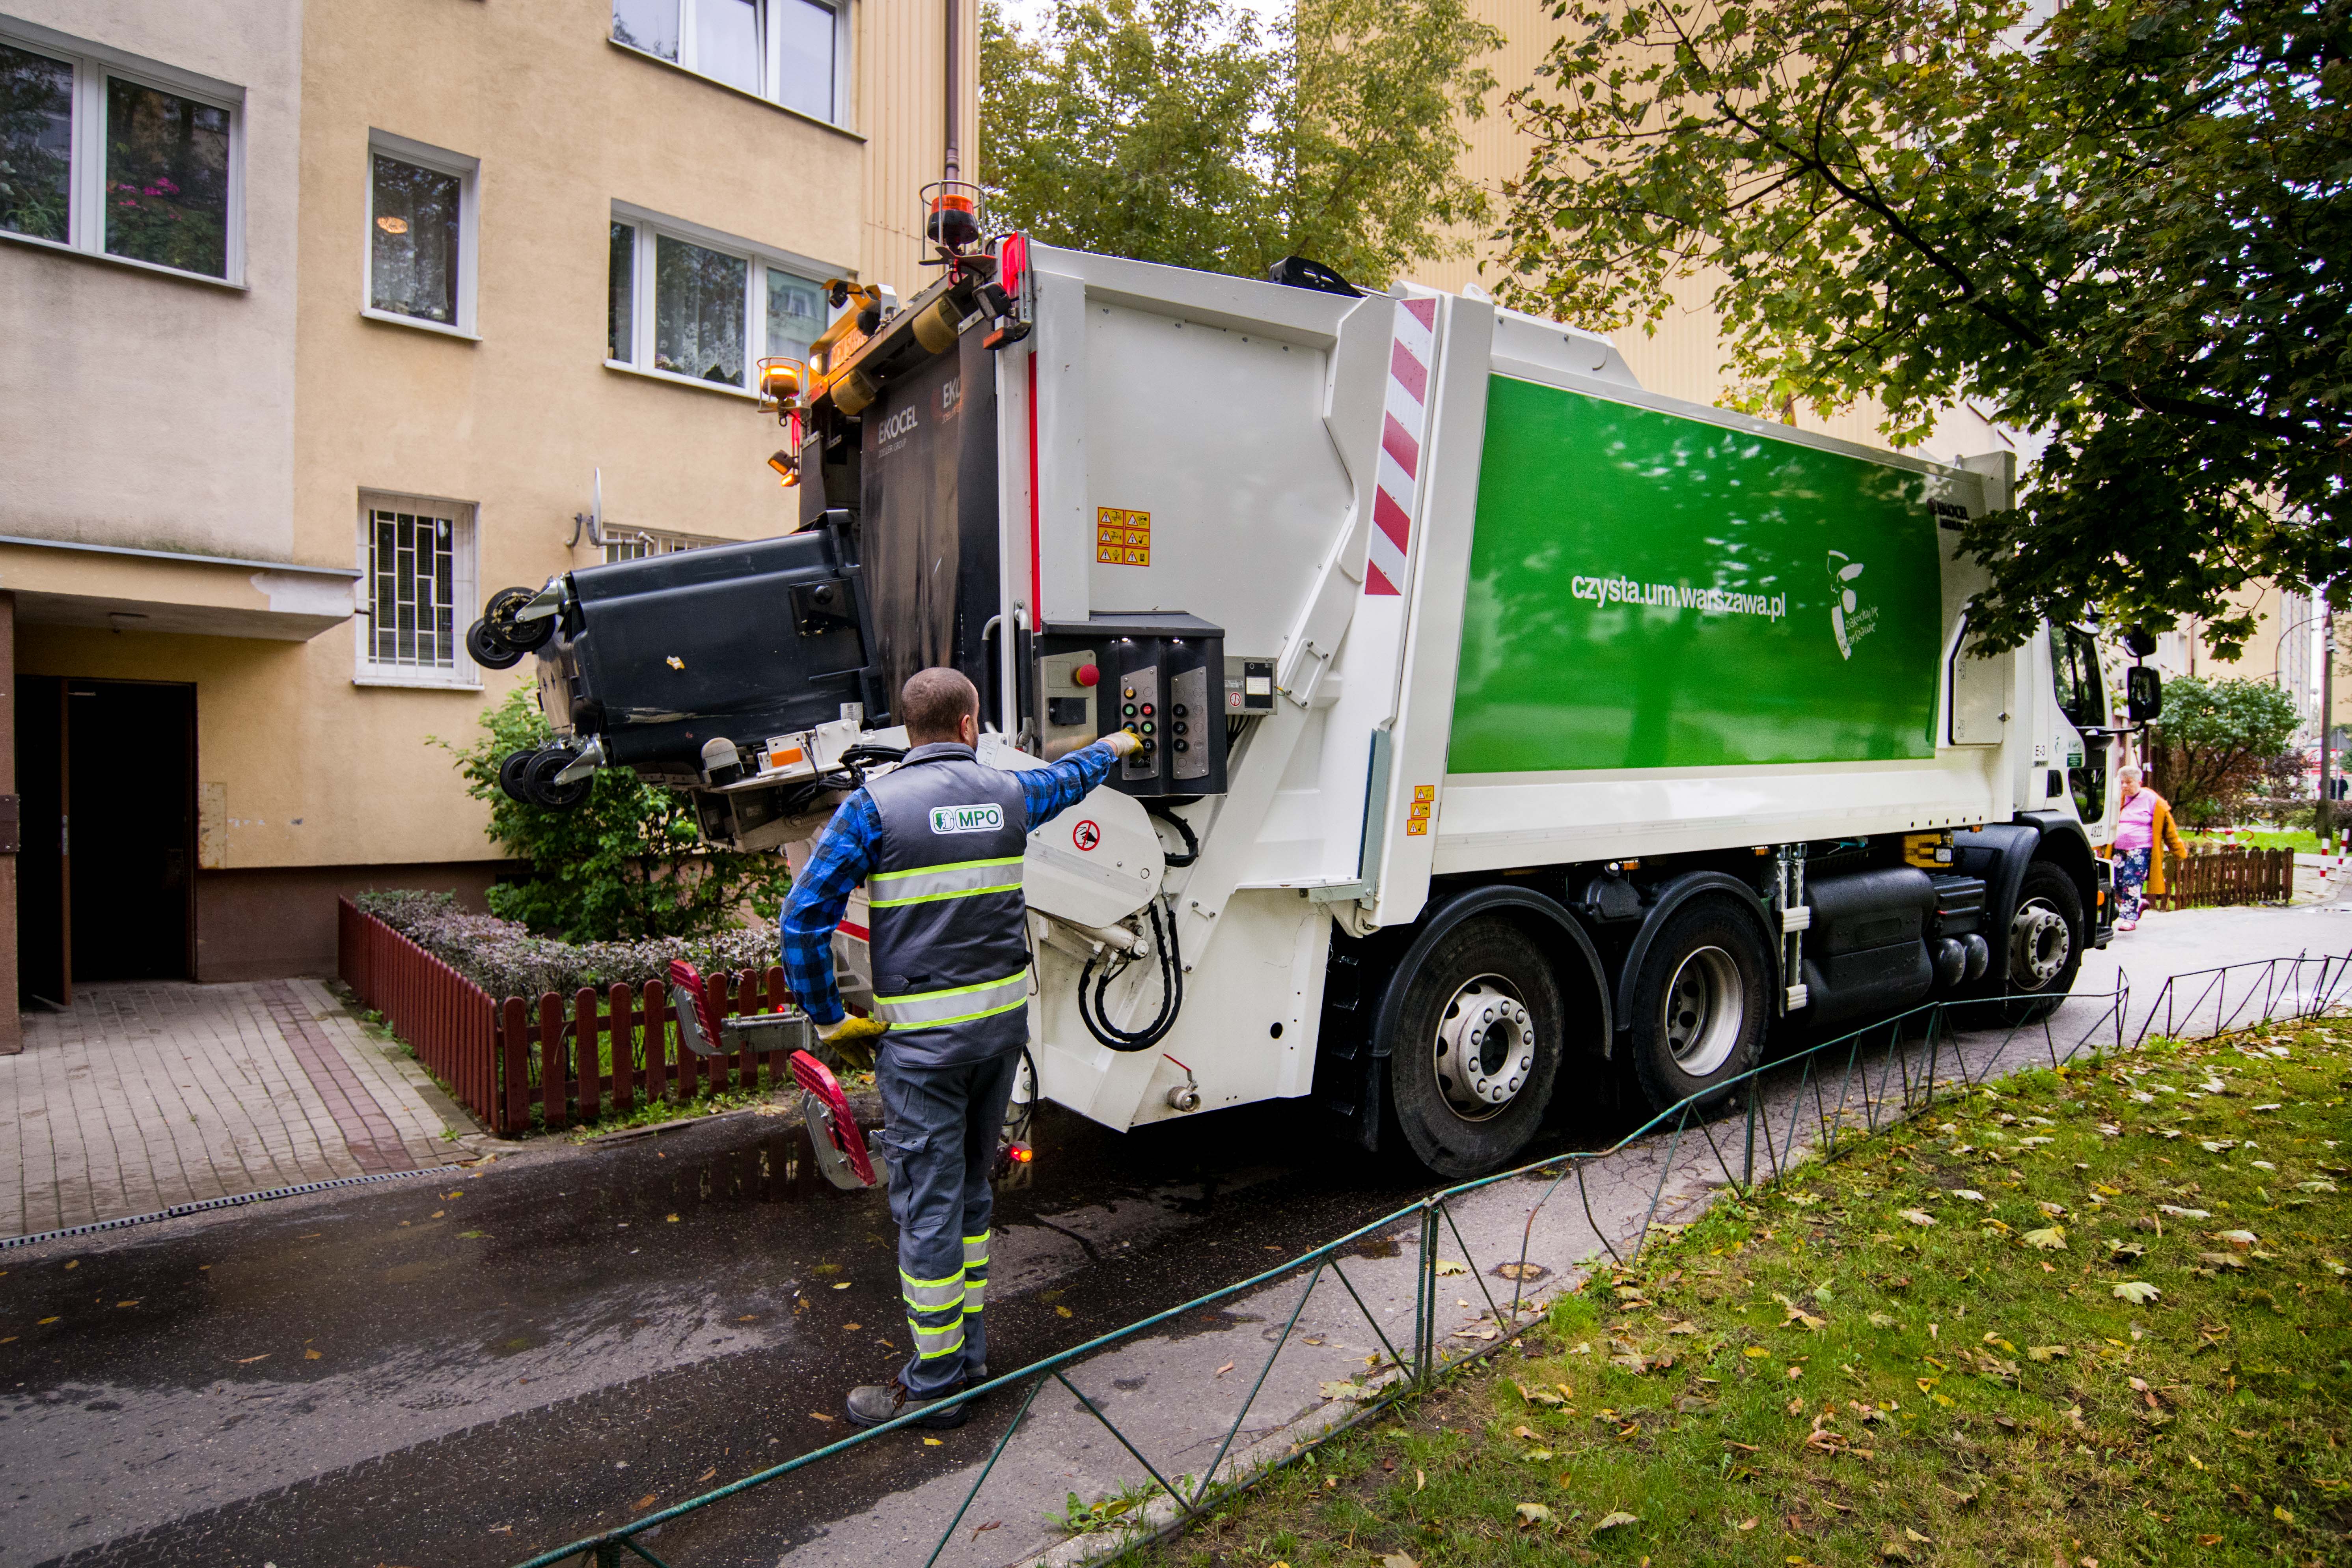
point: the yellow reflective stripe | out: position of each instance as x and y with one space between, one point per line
906 1278
950 866
931 1342
934 1298
960 880
955 1004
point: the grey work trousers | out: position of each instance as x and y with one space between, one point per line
939 1128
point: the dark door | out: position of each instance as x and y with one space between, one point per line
44 963
129 829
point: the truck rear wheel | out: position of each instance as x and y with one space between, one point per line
2044 950
1477 1048
1699 1005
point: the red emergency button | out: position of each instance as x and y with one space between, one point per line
1088 675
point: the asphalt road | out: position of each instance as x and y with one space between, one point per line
464 1371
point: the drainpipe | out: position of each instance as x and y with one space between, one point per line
954 162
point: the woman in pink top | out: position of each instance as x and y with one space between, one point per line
2135 831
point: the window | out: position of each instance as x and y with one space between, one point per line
113 156
419 559
788 51
642 542
420 235
686 302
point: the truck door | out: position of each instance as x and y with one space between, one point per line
2082 743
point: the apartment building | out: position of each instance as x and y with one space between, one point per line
319 323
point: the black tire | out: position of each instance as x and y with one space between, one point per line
485 648
501 612
1701 1003
511 773
2030 970
539 779
1463 1124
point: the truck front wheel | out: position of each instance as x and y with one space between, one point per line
2044 952
1699 1005
1477 1048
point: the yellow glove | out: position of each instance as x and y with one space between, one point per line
1122 742
853 1038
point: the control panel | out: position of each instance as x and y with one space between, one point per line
1158 675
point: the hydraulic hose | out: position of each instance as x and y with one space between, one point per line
1184 829
1172 990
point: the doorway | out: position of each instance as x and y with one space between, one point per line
107 876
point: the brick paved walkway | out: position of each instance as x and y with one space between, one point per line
148 1094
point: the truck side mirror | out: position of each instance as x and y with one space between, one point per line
2143 693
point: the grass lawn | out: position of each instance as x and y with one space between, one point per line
2303 841
2078 1319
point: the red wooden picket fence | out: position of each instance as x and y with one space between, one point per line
2227 875
568 1060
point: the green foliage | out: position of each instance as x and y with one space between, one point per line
2215 740
2122 228
628 862
1171 130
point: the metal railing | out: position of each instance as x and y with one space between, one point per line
1756 1129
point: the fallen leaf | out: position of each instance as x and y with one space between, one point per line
2046 1353
1520 1270
310 1356
1610 1520
2048 1238
705 1475
2178 1213
1397 1560
844 1285
1061 1312
1537 1395
1881 1320
1795 1372
1916 1216
646 1501
813 1416
1756 1351
1342 1389
2139 1292
1536 1456
1895 1551
2235 1237
2282 1515
1970 1194
1448 1266
1420 1479
930 1442
1224 1369
847 1327
671 1219
1748 1524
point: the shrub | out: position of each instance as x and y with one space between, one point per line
505 959
2214 743
629 862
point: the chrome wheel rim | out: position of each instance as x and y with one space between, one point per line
2040 942
1704 1012
1485 1048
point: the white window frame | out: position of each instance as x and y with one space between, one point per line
464 589
440 160
761 259
86 185
771 58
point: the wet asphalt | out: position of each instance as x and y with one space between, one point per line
463 1368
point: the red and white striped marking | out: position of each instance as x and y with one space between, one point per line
1404 430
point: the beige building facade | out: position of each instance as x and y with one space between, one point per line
399 283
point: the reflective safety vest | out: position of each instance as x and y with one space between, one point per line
950 937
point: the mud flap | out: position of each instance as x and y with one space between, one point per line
841 1151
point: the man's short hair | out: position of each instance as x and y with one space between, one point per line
934 703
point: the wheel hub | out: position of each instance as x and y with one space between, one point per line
2040 942
1485 1048
1705 1010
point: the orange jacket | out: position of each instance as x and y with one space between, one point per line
2164 837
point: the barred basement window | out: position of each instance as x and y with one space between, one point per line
419 559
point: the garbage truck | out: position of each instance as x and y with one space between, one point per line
1505 725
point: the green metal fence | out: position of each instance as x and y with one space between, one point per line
1810 1104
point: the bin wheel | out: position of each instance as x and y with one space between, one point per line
486 648
1478 1047
1699 1005
539 779
511 773
524 636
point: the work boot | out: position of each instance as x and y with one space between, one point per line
876 1403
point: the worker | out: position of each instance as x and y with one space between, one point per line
938 841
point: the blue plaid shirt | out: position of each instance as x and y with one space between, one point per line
851 843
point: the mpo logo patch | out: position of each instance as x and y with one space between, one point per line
1849 622
967 818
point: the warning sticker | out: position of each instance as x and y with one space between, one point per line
1122 538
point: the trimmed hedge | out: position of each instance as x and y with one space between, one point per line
504 959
